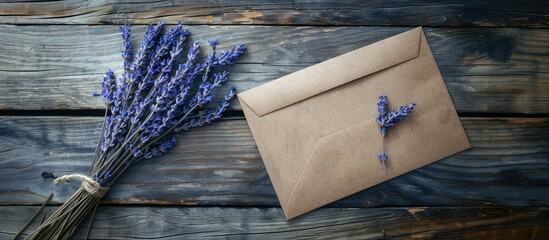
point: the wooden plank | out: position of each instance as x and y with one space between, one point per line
220 165
486 69
523 13
123 222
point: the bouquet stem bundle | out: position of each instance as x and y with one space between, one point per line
62 223
153 98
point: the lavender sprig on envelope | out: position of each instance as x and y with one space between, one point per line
152 99
388 119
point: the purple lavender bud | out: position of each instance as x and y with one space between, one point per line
213 43
147 153
167 144
108 87
142 57
209 115
383 156
170 114
184 72
395 116
381 108
160 81
226 101
193 52
181 98
388 119
137 153
104 145
205 92
163 49
127 43
156 152
228 57
125 30
118 99
178 48
220 78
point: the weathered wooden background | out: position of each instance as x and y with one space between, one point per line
493 55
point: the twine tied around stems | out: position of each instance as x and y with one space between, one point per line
91 186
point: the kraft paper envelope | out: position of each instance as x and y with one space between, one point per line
316 132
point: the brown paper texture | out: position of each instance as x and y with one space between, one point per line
316 132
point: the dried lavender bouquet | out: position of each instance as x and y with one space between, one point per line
156 96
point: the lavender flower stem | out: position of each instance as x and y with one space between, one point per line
173 127
149 94
115 169
52 220
128 139
114 157
120 168
96 154
126 156
387 119
188 112
118 171
383 150
151 91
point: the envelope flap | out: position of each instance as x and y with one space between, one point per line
339 166
329 74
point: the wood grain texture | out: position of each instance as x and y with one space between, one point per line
487 70
220 165
53 54
326 223
297 12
